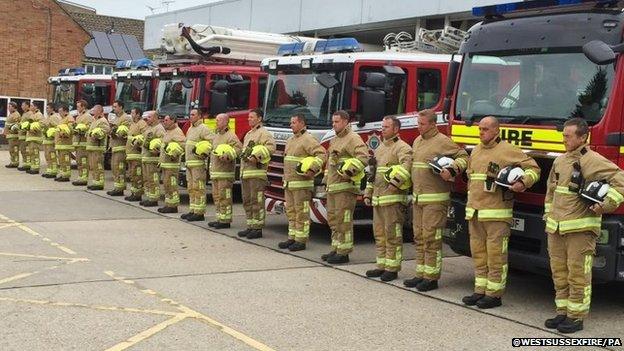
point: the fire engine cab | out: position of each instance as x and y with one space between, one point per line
74 84
135 84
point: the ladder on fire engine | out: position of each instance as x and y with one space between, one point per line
438 41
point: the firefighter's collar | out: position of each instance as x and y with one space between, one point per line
344 132
430 133
258 126
225 130
393 139
582 150
492 143
197 123
301 132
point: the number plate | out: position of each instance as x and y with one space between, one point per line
517 224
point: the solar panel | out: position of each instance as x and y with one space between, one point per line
119 47
132 43
91 50
104 45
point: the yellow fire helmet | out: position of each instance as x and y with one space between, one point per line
309 163
225 150
64 130
50 132
155 144
261 153
174 149
202 148
138 140
352 168
81 127
35 127
122 131
399 177
25 125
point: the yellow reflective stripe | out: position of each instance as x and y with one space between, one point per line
35 139
381 261
248 173
477 176
564 190
496 286
434 197
420 268
495 213
119 148
341 186
434 270
551 224
480 282
461 162
170 165
531 173
221 175
561 303
12 136
615 196
469 212
419 165
150 159
63 147
48 142
297 184
382 169
505 244
195 163
191 142
388 199
574 224
547 207
587 266
293 158
581 306
96 148
133 157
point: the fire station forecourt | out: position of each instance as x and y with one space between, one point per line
81 270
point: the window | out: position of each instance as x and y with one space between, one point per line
262 84
237 90
394 89
429 88
96 93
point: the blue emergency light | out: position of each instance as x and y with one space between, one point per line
321 47
76 71
501 9
135 64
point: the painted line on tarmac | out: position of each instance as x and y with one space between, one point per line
35 234
187 312
9 225
148 333
28 274
74 259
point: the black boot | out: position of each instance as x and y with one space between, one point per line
11 166
326 256
62 180
32 171
253 234
389 276
115 192
338 258
471 300
212 224
95 187
285 244
195 217
168 209
553 323
149 203
221 225
374 273
489 302
79 183
186 215
243 233
133 198
412 283
570 325
297 246
427 285
22 168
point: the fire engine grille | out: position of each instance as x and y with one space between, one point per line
275 174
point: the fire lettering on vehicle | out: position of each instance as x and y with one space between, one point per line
517 137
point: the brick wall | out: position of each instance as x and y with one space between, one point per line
30 54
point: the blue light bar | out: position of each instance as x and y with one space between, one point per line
290 49
135 64
337 45
501 9
76 71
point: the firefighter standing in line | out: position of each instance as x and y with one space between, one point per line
21 136
34 138
347 156
118 138
258 146
227 147
304 158
133 154
431 196
63 144
387 191
197 150
489 210
96 147
11 133
152 141
171 151
83 121
573 221
50 123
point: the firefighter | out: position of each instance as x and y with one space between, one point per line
118 139
387 191
258 146
197 150
50 123
21 136
34 138
11 133
133 154
83 121
151 141
347 156
431 196
96 147
226 149
582 185
63 144
489 209
171 151
304 158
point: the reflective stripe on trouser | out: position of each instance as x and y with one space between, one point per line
253 201
340 207
64 160
222 196
571 259
488 246
118 166
14 148
96 167
298 213
51 161
196 184
23 147
170 183
151 180
135 170
34 149
429 221
388 230
83 164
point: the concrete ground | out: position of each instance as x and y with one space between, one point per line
80 270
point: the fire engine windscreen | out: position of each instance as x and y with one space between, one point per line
541 87
174 98
65 93
133 93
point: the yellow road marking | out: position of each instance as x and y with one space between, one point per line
148 333
74 259
28 274
34 233
9 225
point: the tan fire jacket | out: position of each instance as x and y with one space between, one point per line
32 135
298 147
14 118
496 205
47 123
567 211
94 144
174 134
346 144
133 153
391 152
196 133
21 135
119 144
65 143
428 186
259 136
80 140
150 133
224 169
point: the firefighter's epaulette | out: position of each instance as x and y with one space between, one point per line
584 150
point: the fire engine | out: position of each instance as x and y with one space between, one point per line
74 84
530 65
135 84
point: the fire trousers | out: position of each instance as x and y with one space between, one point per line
340 207
298 213
571 261
488 245
151 180
23 148
83 164
14 149
63 155
429 221
222 197
170 182
50 156
96 167
388 229
253 201
34 149
118 166
196 184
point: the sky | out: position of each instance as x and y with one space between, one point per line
137 8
